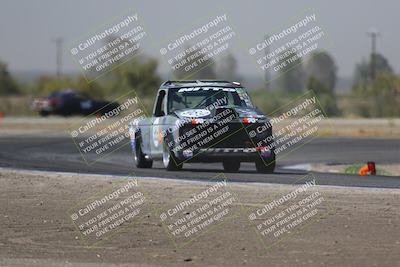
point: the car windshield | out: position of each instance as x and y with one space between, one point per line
202 97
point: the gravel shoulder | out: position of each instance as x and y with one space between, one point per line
361 227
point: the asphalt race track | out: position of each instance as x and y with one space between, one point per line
58 153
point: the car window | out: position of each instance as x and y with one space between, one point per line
201 97
159 105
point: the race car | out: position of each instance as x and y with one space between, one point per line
203 121
69 102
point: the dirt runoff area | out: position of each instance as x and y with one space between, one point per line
59 219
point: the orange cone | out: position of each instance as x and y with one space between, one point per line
364 170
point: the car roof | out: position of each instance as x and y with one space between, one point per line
66 92
198 83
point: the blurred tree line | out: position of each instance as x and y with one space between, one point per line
317 72
8 85
378 95
370 97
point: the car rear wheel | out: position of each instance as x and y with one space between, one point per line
169 160
265 166
231 165
139 156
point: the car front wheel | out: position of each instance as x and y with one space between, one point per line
265 166
231 165
139 156
169 160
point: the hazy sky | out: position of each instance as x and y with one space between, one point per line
27 27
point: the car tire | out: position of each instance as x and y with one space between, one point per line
139 157
44 113
169 160
265 166
231 165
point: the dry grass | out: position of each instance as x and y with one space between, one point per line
388 128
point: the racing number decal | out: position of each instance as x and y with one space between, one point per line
195 113
157 134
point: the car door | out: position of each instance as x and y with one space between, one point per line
157 127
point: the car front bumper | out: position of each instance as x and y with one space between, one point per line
221 154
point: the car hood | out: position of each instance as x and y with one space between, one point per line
242 112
